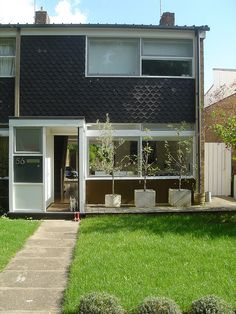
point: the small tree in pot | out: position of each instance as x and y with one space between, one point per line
146 197
177 163
104 158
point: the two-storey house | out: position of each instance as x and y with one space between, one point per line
57 80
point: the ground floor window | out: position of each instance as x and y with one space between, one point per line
125 152
164 156
167 165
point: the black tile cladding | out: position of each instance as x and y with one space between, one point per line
53 83
6 98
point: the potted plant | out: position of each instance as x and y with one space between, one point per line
177 164
103 160
145 197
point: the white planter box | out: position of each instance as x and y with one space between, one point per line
145 198
112 200
180 198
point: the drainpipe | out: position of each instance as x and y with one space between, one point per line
17 73
198 110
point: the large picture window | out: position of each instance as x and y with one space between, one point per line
159 159
7 57
123 158
113 57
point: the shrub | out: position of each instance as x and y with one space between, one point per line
99 303
211 305
158 305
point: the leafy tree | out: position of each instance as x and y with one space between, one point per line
178 161
227 131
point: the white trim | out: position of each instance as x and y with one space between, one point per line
44 148
70 123
100 178
4 132
110 32
82 160
11 190
138 133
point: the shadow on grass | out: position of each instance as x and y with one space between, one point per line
197 225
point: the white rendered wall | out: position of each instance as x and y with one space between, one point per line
28 197
224 85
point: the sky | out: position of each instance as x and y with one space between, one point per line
220 16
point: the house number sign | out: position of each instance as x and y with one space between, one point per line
28 169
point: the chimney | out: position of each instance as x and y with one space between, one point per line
167 19
41 17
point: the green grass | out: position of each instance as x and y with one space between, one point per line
13 234
182 257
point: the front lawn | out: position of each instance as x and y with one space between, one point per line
13 234
182 257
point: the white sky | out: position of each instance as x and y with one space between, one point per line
22 11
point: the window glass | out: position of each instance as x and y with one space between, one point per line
4 146
125 158
167 67
7 57
28 140
159 158
167 48
113 57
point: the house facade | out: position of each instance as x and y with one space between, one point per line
56 81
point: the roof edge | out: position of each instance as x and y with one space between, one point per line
104 26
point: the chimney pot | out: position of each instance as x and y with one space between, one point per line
167 19
41 17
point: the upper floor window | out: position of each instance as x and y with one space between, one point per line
113 57
140 57
7 57
166 57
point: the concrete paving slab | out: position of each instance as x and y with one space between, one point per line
47 243
39 264
29 251
42 234
31 299
34 279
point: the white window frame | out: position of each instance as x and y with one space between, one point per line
10 57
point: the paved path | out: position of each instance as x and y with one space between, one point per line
34 280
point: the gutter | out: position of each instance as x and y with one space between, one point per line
198 110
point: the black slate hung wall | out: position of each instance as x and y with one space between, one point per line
53 83
7 86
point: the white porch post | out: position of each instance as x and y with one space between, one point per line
82 168
11 150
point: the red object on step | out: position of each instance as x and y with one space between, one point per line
76 216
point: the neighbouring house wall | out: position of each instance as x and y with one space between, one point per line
96 189
228 106
53 83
